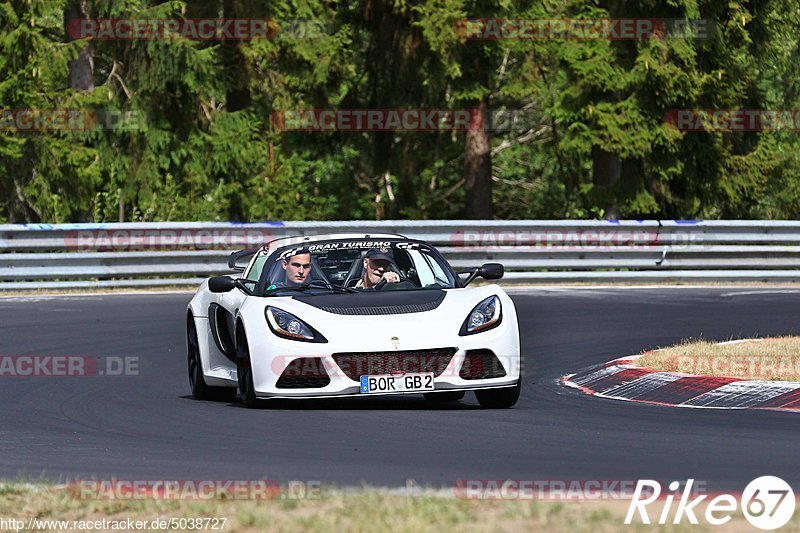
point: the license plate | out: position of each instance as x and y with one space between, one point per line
397 383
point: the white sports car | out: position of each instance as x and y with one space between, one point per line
352 315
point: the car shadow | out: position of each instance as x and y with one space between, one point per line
362 404
352 404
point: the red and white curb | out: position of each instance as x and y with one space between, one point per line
622 379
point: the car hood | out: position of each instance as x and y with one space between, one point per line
376 302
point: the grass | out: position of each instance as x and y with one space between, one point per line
774 359
364 510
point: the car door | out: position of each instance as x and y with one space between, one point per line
222 313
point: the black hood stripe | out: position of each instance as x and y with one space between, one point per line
377 303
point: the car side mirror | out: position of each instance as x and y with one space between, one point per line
221 284
491 271
486 271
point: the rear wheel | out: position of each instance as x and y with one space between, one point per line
443 397
197 381
499 398
244 370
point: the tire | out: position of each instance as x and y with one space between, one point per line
444 397
197 382
244 370
499 398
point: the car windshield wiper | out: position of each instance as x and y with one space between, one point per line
336 288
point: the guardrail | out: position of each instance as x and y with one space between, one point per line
56 256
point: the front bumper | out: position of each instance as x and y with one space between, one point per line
341 384
386 335
270 363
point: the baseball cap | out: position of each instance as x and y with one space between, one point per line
380 254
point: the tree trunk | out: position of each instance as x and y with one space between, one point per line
237 96
606 167
383 60
478 170
81 69
606 170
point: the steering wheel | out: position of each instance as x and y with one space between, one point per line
325 284
383 283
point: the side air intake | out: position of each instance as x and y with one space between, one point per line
481 364
304 373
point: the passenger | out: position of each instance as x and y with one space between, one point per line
296 270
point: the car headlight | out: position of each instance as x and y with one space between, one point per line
486 315
289 326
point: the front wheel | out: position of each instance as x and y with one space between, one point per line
499 398
197 382
244 370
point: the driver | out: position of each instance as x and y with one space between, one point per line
377 267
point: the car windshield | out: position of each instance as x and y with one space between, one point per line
355 265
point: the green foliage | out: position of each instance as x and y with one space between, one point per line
186 128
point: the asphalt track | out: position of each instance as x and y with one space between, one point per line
148 427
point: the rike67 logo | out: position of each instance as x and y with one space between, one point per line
767 503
